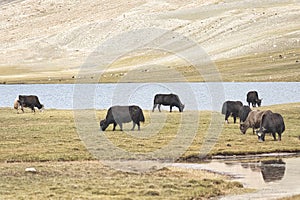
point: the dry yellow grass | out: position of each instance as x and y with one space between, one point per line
49 142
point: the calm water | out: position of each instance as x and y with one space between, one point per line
195 96
273 179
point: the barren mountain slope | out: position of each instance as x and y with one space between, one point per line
50 39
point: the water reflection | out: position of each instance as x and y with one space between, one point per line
277 178
271 170
273 178
252 173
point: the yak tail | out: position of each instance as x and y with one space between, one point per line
224 108
141 116
283 125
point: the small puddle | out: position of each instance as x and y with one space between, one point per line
272 178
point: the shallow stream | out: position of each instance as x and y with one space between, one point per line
272 178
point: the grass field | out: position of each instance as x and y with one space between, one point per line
49 142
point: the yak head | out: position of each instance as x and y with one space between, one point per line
181 107
103 124
261 134
258 101
41 108
243 127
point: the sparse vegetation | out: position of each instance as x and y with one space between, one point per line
52 136
272 66
296 197
90 179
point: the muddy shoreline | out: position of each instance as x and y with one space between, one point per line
242 156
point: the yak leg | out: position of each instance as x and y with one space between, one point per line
139 128
159 107
226 117
121 126
171 108
279 136
133 126
274 136
154 106
114 128
134 123
22 108
32 108
234 118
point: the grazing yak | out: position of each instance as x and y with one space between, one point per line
252 97
253 120
271 123
117 115
243 113
30 101
231 108
167 100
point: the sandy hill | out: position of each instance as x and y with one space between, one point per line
53 38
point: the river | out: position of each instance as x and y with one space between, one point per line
195 96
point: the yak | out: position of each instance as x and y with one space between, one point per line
271 123
30 101
253 120
252 98
243 113
167 100
117 115
231 108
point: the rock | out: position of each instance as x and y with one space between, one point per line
31 170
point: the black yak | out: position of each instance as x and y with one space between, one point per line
167 100
117 115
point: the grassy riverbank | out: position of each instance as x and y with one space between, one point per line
92 180
52 135
65 169
49 142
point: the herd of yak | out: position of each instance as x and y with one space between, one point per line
261 122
